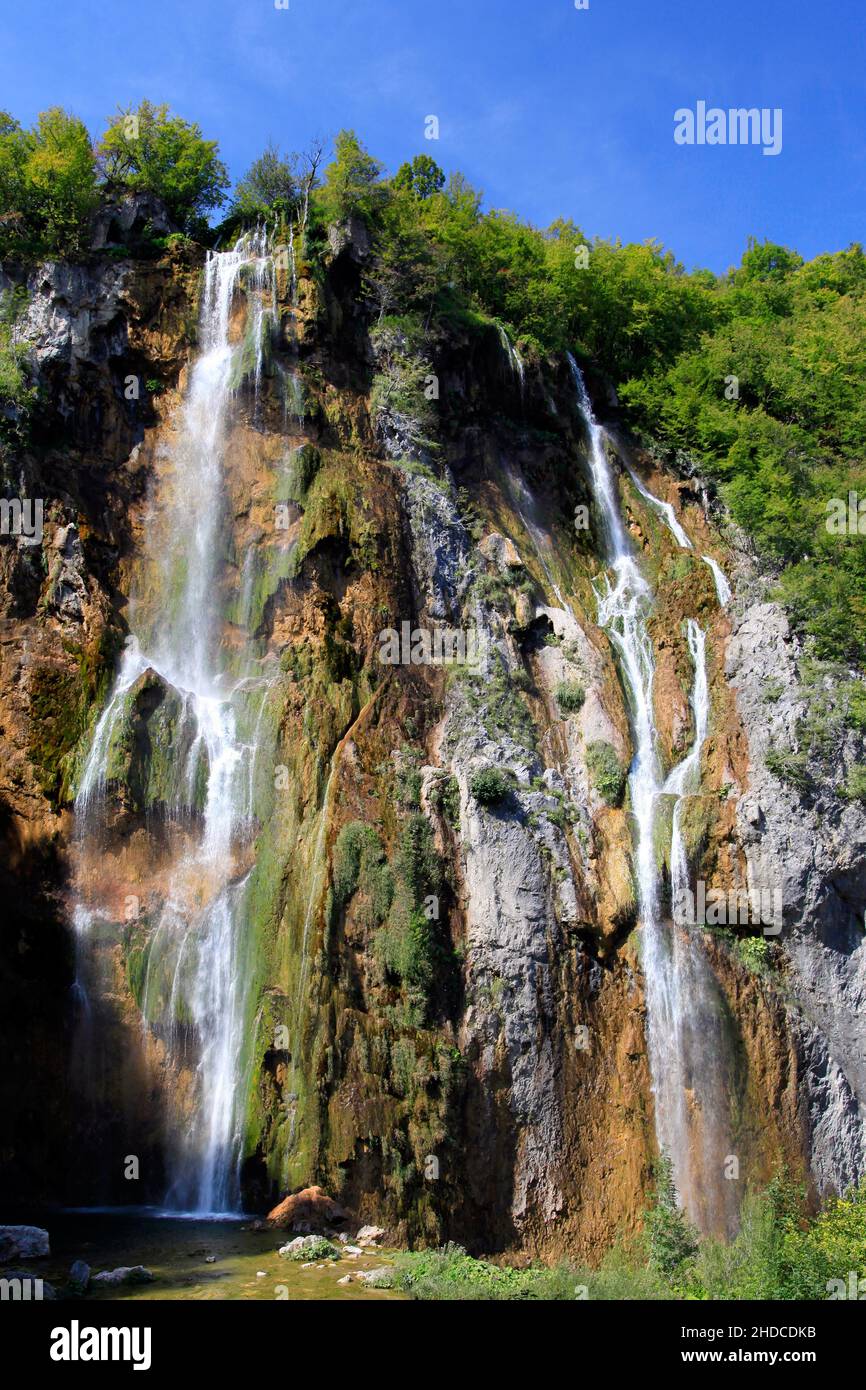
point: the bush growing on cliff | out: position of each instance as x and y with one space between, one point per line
16 392
358 864
489 786
570 696
608 774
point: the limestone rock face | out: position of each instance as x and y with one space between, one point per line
811 849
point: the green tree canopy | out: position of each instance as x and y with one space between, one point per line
423 177
352 181
48 188
270 185
148 149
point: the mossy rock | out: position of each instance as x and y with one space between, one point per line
148 762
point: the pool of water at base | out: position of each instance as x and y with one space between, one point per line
176 1249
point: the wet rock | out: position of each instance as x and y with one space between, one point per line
311 1209
148 753
79 1277
124 1274
23 1243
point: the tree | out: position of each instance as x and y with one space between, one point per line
353 181
48 188
152 151
269 187
311 158
423 177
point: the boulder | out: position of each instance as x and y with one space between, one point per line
79 1277
124 1274
369 1235
22 1243
308 1210
380 1278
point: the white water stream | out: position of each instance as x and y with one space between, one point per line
688 1049
194 992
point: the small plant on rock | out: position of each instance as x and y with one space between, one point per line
489 786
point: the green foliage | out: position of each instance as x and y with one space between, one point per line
489 786
423 177
48 190
318 1249
398 402
352 181
754 1264
818 1259
17 395
357 864
409 948
445 796
269 188
671 1241
754 952
790 766
148 149
608 774
855 783
449 1273
793 334
570 696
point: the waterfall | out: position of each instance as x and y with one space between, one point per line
723 588
193 999
688 1050
515 361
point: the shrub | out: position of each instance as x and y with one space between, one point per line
314 1248
672 1242
489 786
754 952
855 783
790 766
358 862
445 796
570 696
608 774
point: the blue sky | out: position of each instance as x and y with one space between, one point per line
551 111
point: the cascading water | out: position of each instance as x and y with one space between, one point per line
687 1045
193 997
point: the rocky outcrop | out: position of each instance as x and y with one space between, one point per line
810 849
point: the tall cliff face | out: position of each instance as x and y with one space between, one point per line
444 1005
